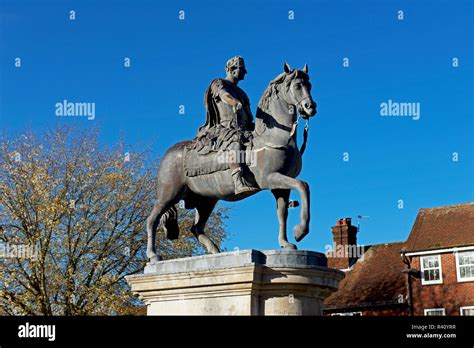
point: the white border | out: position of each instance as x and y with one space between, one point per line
465 307
458 273
439 251
434 309
429 282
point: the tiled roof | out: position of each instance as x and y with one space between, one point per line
442 227
375 279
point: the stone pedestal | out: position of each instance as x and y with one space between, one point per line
246 282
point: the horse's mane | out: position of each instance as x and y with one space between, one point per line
272 89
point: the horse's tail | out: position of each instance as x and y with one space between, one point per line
171 183
169 222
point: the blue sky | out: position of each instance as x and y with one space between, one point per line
172 62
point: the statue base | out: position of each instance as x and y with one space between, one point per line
246 282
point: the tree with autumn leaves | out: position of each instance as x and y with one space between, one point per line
80 209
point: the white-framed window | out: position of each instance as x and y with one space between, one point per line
435 312
431 272
348 314
465 266
469 310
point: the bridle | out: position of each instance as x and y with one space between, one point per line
295 123
299 103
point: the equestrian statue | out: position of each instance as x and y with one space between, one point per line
232 158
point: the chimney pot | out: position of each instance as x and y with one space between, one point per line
344 221
344 238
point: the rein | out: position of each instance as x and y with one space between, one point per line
305 133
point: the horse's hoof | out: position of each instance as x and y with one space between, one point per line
299 232
155 258
289 246
214 250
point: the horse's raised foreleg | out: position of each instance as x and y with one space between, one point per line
282 197
204 207
280 181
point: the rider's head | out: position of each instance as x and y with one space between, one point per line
235 68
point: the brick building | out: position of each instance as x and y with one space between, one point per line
432 273
374 284
440 257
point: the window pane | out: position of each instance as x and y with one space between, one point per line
426 262
469 271
429 262
466 271
431 274
426 275
466 258
468 311
435 312
431 268
432 262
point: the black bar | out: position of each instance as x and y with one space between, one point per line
245 331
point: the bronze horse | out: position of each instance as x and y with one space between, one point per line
278 164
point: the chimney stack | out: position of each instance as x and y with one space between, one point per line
344 247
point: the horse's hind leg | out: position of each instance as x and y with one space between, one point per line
282 197
168 196
204 207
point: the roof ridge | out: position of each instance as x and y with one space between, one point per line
459 205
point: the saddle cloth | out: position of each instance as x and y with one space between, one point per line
196 164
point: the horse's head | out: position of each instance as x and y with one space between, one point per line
298 91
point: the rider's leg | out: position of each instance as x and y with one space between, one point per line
236 168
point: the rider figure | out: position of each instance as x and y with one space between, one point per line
229 120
